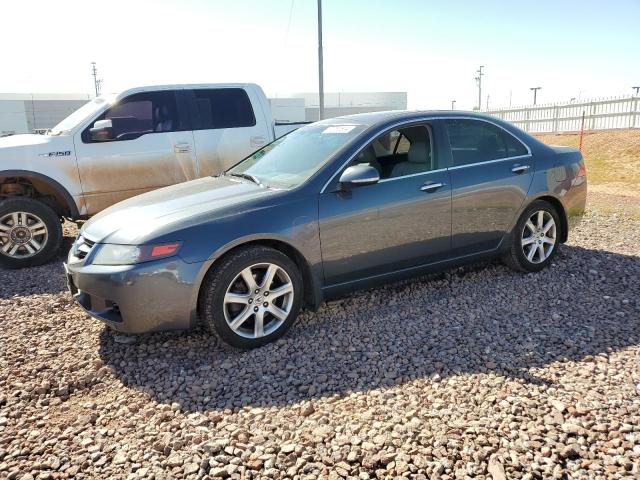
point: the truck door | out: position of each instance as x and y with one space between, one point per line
226 127
151 146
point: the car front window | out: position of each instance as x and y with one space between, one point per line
294 158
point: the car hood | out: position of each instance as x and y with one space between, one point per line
140 219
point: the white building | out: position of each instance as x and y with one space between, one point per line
28 113
346 103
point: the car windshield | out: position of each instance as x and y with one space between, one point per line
85 111
294 158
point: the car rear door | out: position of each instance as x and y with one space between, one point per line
491 171
152 148
227 128
401 222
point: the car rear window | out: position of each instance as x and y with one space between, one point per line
223 108
474 141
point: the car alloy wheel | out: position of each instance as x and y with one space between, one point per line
539 236
258 300
22 235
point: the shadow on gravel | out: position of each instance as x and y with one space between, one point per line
47 278
473 320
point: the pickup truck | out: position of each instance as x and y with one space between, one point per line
118 146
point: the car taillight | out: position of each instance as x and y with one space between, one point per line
582 170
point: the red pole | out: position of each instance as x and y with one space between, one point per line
581 132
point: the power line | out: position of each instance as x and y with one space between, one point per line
96 81
478 80
286 36
535 93
320 69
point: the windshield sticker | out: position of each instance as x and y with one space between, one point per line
339 129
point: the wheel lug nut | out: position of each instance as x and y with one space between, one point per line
257 291
251 300
265 304
266 294
255 309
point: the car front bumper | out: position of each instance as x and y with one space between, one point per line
146 297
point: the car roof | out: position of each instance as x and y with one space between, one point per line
375 118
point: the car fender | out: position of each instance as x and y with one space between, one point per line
314 269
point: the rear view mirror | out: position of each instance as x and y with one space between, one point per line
102 131
358 175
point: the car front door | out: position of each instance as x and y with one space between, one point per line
402 221
226 127
151 146
490 176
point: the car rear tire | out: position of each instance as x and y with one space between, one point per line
30 233
535 238
252 297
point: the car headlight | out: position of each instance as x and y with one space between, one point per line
111 254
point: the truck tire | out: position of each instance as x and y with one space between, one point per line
30 232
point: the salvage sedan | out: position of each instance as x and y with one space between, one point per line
335 206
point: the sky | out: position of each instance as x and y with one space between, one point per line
430 49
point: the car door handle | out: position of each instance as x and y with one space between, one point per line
182 147
430 187
520 168
257 141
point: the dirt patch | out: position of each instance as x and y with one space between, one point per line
612 158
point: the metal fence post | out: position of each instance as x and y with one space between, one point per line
555 118
634 112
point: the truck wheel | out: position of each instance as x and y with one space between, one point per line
30 232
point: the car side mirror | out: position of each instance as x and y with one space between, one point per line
102 131
359 175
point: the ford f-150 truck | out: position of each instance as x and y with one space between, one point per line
118 146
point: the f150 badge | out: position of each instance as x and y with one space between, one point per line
66 153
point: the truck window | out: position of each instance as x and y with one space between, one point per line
223 108
142 114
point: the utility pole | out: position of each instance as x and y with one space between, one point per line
487 106
96 80
535 93
453 104
320 69
510 97
479 82
637 89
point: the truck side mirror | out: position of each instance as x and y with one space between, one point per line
102 131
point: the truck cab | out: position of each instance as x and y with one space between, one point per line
118 146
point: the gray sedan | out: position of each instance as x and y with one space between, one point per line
338 205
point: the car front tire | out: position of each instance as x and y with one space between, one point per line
535 238
30 233
252 297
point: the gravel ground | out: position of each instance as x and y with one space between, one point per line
476 373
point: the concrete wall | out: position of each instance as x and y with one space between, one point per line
25 112
287 109
312 113
13 117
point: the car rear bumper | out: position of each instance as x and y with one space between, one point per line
147 297
575 202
